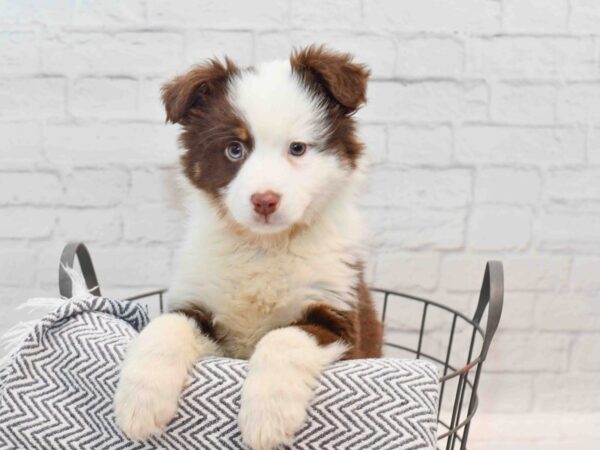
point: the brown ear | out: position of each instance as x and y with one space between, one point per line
190 91
333 73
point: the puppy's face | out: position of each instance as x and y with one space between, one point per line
272 143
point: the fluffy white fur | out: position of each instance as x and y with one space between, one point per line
282 375
256 277
253 287
155 371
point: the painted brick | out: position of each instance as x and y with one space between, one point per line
585 16
375 138
154 186
86 225
536 16
496 144
420 144
586 353
17 54
426 101
594 146
417 229
109 13
450 15
536 273
580 425
525 428
500 445
568 312
413 187
95 187
219 13
104 97
151 223
508 186
22 188
21 141
272 45
407 271
567 392
28 98
68 12
506 392
585 274
317 13
581 442
431 56
26 223
531 57
526 352
518 310
499 229
150 105
96 143
127 266
526 103
202 45
578 102
17 267
522 273
568 232
573 184
113 54
463 272
28 11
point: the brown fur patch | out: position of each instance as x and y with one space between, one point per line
343 140
328 324
186 96
333 74
198 101
342 84
360 328
202 317
371 329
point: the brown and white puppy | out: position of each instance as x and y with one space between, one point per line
271 266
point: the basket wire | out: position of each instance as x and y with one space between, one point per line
458 382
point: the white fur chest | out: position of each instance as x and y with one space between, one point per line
252 289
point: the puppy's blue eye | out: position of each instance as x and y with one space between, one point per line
297 148
235 151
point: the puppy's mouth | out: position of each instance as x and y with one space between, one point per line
268 224
263 220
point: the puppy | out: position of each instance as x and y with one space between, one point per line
271 266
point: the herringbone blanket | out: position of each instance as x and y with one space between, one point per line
57 392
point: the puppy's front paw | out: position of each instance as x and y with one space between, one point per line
270 416
146 401
282 374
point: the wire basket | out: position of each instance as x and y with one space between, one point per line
456 344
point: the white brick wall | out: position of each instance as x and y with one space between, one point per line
483 128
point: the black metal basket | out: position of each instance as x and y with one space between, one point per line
459 363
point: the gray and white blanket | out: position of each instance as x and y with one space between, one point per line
56 393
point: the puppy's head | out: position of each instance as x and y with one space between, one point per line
270 144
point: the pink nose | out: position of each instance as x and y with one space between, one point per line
265 203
